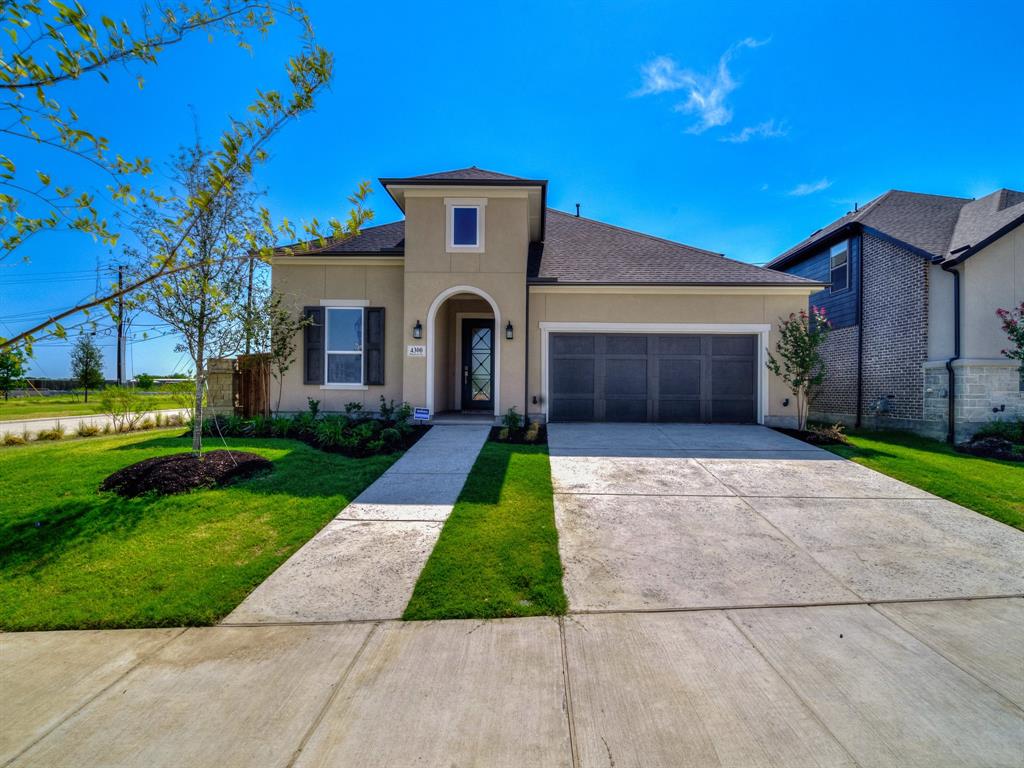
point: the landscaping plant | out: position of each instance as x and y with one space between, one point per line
125 407
799 363
1013 326
144 381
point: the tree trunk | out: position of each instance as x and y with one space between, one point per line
87 394
197 420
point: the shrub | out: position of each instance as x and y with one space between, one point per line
281 426
532 432
314 406
512 420
146 423
13 438
88 430
832 433
1005 430
124 405
355 411
57 433
144 381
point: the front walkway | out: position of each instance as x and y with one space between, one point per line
364 564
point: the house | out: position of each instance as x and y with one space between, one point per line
484 299
914 284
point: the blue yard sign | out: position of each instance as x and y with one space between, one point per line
421 414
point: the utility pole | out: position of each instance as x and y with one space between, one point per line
120 325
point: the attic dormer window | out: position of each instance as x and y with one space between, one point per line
465 225
839 267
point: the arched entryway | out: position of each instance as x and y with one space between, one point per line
463 351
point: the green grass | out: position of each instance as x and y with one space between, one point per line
498 552
41 406
71 557
993 488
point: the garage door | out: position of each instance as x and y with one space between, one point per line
653 377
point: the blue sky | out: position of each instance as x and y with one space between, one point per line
737 127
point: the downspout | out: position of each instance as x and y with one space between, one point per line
951 376
526 368
860 329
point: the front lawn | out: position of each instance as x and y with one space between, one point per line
994 488
42 406
498 552
71 557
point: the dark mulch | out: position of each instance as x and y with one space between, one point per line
809 436
993 448
518 436
184 472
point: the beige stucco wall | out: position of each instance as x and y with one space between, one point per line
940 313
991 278
499 272
662 307
305 285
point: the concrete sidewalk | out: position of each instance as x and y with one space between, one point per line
925 684
364 564
71 423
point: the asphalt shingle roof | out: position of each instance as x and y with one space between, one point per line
579 250
584 251
935 224
468 174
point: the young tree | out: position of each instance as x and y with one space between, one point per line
47 49
799 362
12 370
87 364
273 328
203 302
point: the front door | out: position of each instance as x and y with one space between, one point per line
477 365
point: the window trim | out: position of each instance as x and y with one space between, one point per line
339 306
832 253
480 204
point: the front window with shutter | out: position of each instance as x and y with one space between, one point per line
344 347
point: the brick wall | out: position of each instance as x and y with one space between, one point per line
837 398
895 330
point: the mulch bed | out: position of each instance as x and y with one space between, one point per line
183 472
993 448
807 436
518 436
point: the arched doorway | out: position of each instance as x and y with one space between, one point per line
463 351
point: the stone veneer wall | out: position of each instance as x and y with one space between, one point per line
220 397
981 386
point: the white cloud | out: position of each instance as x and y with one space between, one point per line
706 93
769 129
809 188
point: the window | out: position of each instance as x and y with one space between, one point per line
344 345
465 226
839 267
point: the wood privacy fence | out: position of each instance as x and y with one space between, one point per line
239 386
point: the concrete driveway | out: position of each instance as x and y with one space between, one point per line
677 517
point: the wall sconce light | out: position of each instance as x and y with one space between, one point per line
785 402
417 330
508 331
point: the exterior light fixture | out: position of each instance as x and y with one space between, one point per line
508 331
417 330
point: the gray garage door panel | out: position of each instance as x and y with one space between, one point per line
653 377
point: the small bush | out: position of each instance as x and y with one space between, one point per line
147 423
88 430
1013 431
532 432
125 406
832 433
57 433
512 420
144 381
13 438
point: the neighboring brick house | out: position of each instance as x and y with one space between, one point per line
913 319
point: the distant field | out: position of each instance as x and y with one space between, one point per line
37 407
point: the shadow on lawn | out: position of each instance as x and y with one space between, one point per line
485 481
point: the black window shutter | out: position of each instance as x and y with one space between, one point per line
373 351
313 347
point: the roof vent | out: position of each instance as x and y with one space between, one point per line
577 210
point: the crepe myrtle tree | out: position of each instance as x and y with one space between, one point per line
1013 326
57 174
12 370
797 359
87 364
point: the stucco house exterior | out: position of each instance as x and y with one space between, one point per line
914 281
484 299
